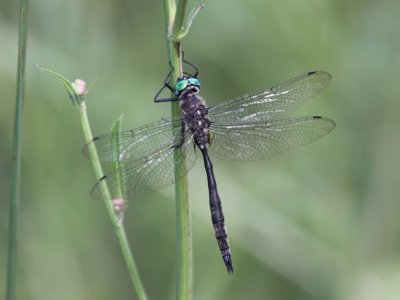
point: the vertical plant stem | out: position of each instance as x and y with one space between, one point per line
174 17
118 226
17 150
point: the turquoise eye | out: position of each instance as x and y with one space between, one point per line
194 81
181 85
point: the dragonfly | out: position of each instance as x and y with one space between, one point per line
250 127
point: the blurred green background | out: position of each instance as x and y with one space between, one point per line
320 222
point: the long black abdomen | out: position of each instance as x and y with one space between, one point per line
217 216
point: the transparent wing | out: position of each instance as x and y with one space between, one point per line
149 174
259 141
271 103
131 145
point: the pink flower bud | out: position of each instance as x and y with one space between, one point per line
118 205
80 87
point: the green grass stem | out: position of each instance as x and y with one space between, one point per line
79 100
115 219
184 279
17 151
175 31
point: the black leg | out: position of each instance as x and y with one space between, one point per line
194 67
168 86
181 137
158 100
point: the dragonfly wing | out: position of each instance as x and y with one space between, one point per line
270 103
151 173
131 145
259 141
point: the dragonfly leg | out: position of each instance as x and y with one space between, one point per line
158 100
193 66
168 86
181 137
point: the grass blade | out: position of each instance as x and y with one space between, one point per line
17 151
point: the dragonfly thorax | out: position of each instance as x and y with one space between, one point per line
195 115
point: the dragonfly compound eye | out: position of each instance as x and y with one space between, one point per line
181 85
194 81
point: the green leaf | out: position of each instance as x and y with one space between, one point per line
117 165
189 21
73 95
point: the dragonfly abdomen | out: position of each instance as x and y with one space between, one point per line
217 216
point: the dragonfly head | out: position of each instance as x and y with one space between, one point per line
187 84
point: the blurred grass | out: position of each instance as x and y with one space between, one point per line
320 222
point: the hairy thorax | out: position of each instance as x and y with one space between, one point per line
195 114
